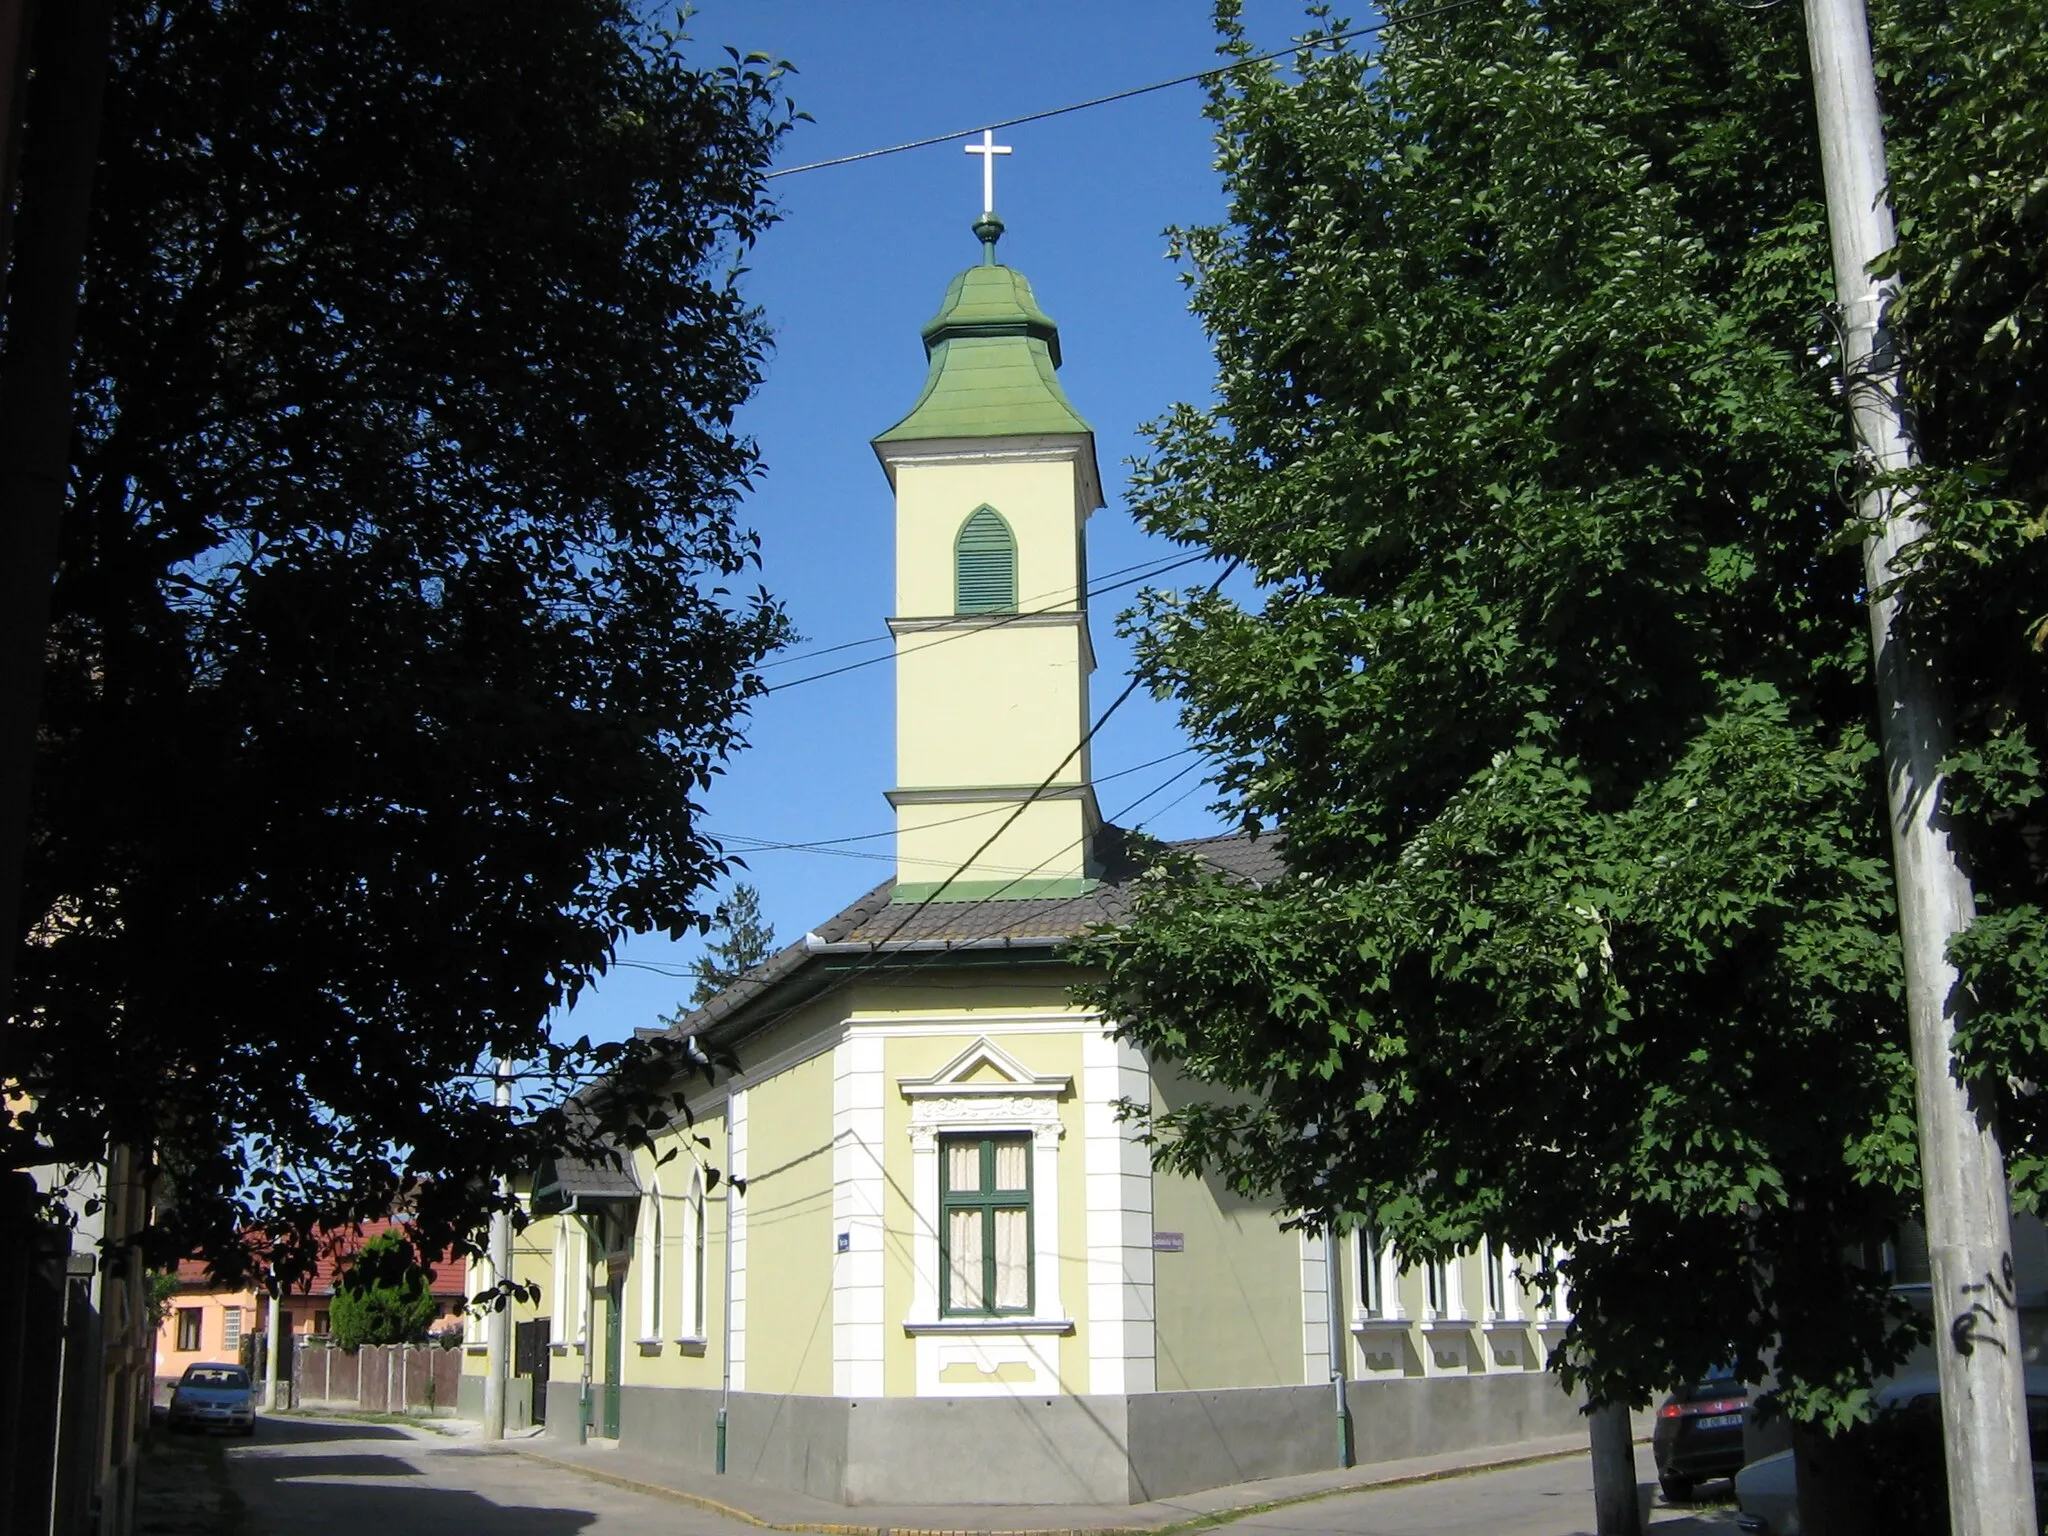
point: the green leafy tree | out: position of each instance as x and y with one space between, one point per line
1556 675
400 614
385 1296
162 1291
1971 123
739 940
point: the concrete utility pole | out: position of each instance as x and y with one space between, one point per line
1969 1238
270 1320
498 1321
270 1352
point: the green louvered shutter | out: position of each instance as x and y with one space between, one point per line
985 565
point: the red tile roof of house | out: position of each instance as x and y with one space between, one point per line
337 1247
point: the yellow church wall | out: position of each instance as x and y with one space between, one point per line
1412 1289
532 1265
1228 1306
533 1255
789 1241
679 1358
927 1018
928 996
678 1353
1038 501
992 706
1045 841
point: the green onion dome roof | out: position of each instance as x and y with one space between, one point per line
994 355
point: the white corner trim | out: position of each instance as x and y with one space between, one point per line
859 1194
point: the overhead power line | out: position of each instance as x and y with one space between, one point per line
1139 566
749 843
1000 621
1292 51
1116 818
1058 768
878 960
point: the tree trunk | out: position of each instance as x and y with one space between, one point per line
1617 1507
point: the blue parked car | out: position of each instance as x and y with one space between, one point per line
212 1395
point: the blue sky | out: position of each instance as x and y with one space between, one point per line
857 266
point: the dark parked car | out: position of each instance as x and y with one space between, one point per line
1699 1434
214 1395
1902 1464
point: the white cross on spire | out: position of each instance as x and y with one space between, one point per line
988 149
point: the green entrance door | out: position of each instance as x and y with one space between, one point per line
614 1355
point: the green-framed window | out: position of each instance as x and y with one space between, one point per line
985 1236
985 565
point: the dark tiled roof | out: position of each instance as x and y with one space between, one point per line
1051 919
567 1177
875 925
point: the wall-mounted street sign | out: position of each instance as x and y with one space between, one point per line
1169 1242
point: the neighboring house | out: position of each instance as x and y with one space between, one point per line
85 1360
953 1274
207 1321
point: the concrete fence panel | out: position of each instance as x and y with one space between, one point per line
378 1378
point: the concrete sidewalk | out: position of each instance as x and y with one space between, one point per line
780 1509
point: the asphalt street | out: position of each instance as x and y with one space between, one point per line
310 1477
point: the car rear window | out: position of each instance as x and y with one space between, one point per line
216 1376
1719 1384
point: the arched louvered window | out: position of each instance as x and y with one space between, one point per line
985 565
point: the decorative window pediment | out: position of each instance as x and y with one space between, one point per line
985 1070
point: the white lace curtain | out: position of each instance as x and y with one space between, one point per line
970 1231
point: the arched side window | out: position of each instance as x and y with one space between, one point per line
650 1245
985 564
699 1243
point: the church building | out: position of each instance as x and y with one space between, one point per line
937 1267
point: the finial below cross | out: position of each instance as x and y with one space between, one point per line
988 149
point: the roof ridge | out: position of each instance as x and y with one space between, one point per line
979 924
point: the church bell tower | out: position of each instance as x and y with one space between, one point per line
995 477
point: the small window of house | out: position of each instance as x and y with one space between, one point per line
1371 1299
231 1328
985 1230
985 565
698 1267
188 1328
1436 1288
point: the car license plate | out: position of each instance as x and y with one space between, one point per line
1719 1421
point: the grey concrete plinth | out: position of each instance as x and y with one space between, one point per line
1070 1450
